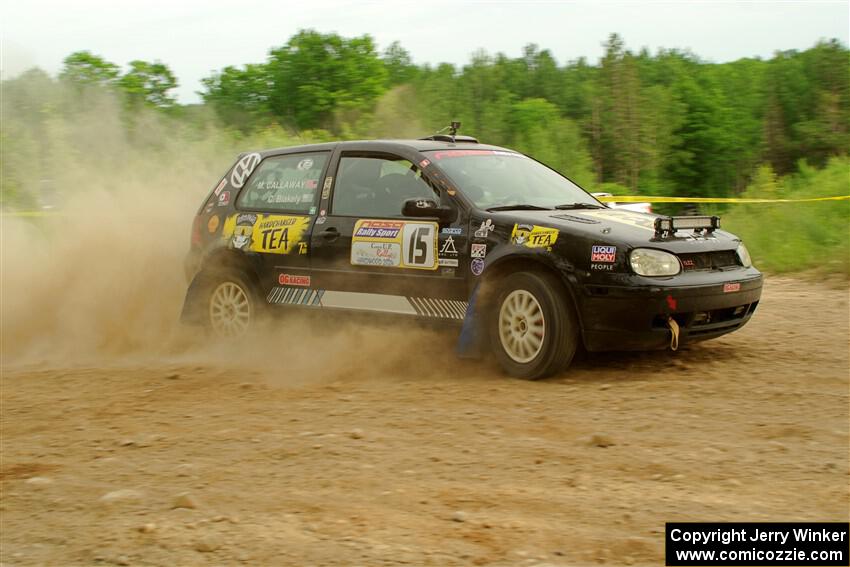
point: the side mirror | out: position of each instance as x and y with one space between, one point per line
427 208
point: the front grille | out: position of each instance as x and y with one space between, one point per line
709 260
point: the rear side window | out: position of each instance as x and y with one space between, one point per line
285 183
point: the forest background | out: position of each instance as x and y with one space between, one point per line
632 123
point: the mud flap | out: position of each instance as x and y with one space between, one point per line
193 308
470 343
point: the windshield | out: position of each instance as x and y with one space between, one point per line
493 178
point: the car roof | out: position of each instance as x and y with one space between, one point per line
382 145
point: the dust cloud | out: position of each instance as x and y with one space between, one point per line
98 280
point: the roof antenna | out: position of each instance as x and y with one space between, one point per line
455 126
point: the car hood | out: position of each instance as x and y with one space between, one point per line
620 227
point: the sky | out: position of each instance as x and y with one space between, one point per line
196 37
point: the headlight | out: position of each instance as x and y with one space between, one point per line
649 262
744 256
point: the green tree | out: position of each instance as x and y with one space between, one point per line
620 89
148 83
438 97
539 130
315 74
240 96
399 65
824 129
82 68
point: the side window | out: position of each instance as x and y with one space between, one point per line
285 183
377 186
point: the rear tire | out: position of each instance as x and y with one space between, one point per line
532 326
230 308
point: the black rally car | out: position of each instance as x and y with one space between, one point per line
427 228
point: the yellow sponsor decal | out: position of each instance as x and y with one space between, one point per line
394 244
533 236
269 234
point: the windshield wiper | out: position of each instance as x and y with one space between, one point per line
517 207
570 206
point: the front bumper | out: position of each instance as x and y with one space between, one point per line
634 317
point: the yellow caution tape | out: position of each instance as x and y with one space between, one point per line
30 214
640 199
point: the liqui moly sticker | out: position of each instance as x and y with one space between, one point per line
603 254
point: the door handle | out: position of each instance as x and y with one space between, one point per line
330 233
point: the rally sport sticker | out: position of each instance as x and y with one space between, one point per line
394 244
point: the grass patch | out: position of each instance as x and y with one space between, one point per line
796 237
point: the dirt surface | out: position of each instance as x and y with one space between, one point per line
326 453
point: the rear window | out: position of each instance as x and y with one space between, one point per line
287 183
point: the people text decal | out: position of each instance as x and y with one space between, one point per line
394 244
603 254
243 169
533 236
272 234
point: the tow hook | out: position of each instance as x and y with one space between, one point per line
674 333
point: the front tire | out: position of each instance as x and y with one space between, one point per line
533 329
231 309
